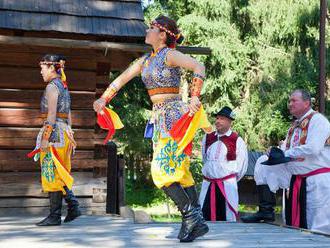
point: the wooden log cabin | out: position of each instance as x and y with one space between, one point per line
96 37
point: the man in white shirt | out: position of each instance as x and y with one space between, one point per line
225 162
307 174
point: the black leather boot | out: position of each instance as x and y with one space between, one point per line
267 202
202 227
73 206
190 214
54 218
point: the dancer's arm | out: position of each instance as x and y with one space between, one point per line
52 97
177 59
131 72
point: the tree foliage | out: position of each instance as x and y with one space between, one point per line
261 51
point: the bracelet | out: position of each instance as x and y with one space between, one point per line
197 75
48 129
196 87
110 93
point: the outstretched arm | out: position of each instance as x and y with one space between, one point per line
178 59
131 72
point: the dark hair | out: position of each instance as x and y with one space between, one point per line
53 58
305 95
56 60
171 25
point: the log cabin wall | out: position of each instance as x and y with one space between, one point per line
21 87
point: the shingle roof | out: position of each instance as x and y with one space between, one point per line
96 17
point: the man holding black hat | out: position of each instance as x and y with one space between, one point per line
225 162
303 165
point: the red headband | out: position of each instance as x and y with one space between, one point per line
156 24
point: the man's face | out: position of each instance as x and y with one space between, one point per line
222 124
297 106
46 72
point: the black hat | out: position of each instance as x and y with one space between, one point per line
276 156
227 112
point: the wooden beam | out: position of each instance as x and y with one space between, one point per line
30 78
31 118
28 184
322 57
87 44
16 98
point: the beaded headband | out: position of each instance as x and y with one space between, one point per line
61 63
156 24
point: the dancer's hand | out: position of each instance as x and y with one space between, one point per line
194 105
99 105
44 145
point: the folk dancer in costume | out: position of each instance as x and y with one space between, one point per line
160 71
225 162
305 171
55 142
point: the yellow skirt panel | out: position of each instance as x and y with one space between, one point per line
167 167
55 172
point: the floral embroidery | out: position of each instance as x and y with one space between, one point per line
156 74
47 168
167 160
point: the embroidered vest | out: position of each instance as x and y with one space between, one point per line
157 74
63 101
304 124
229 141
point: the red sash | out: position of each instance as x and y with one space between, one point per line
213 206
295 211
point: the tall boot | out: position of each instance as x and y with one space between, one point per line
54 218
193 196
267 202
190 214
73 205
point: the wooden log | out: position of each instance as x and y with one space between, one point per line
19 143
16 98
43 201
31 118
90 54
17 160
28 184
20 155
24 138
29 78
30 59
21 132
85 44
29 165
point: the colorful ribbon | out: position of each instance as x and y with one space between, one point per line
184 130
109 120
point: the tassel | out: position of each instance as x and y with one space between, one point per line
63 78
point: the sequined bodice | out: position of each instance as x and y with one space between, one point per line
157 74
63 101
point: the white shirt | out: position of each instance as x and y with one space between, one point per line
315 153
215 160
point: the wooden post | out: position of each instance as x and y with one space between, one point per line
121 182
322 73
112 179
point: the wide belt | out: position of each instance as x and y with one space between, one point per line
164 90
58 115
